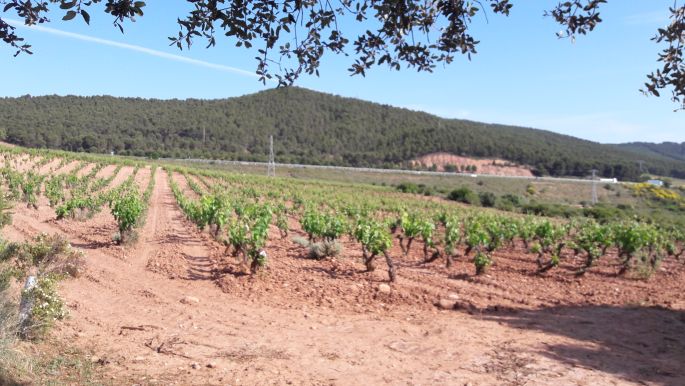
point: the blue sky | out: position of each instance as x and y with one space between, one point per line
522 74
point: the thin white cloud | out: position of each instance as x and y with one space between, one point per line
133 47
653 17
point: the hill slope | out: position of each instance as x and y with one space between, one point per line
308 127
671 150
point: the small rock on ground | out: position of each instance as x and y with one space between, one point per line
446 304
190 300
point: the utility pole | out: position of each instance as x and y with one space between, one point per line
204 135
594 186
641 163
271 169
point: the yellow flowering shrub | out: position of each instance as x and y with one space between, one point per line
648 190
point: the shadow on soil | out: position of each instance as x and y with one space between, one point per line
199 267
639 344
7 380
92 244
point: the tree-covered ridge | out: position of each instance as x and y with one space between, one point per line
672 150
308 127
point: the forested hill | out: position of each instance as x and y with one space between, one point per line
308 127
672 150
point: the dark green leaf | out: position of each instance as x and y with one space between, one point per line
86 17
70 15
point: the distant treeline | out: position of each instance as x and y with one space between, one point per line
308 127
672 150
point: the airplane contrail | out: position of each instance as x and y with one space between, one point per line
133 47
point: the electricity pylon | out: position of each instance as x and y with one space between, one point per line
594 186
271 169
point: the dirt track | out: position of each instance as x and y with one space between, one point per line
145 327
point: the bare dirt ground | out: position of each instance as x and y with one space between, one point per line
498 167
143 177
68 168
25 163
205 183
106 172
173 309
182 183
84 171
49 167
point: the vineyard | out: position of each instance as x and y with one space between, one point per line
190 274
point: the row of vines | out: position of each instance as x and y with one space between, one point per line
239 209
78 193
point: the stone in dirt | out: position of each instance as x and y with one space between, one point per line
384 288
190 300
446 304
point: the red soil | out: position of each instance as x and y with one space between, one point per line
498 167
68 168
172 309
85 170
50 167
182 183
205 184
143 177
106 172
121 177
24 163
